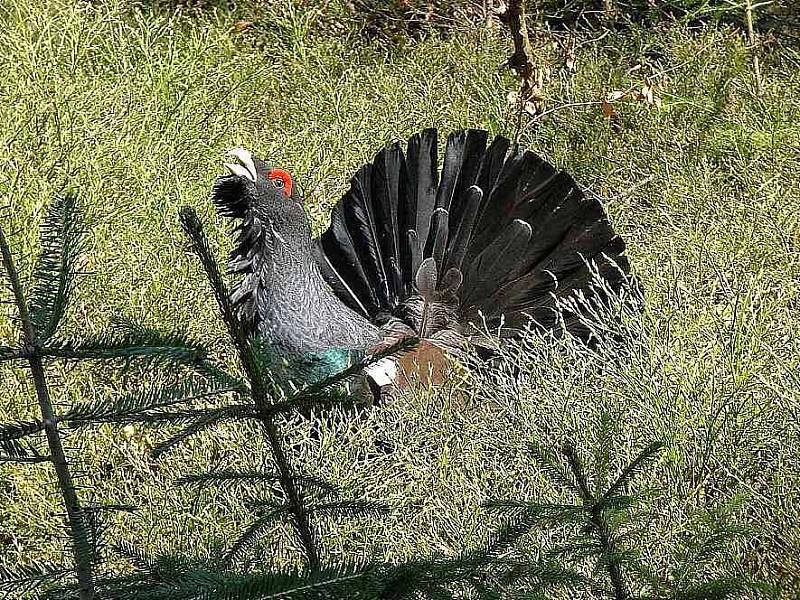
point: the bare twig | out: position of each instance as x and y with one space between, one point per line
752 41
538 118
561 107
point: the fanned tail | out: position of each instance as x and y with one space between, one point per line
498 238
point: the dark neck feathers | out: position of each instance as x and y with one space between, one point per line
282 295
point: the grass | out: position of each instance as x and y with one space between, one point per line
133 109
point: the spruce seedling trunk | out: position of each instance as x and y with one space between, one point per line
31 349
260 394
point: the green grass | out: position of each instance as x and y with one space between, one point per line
133 111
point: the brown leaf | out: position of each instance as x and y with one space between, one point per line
613 116
241 26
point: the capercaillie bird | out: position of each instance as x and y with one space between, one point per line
490 242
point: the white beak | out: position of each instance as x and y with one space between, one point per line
244 167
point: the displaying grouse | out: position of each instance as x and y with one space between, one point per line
490 242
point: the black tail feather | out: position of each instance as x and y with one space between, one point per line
492 164
502 236
471 159
463 227
423 174
342 265
385 193
496 261
437 239
517 180
451 169
360 216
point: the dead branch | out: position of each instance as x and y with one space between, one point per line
529 99
521 60
752 42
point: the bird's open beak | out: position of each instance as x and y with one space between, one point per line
244 166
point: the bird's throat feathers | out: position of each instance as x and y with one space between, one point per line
273 261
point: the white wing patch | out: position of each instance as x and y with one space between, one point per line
382 372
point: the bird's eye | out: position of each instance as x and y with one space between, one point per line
281 180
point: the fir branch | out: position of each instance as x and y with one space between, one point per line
222 378
632 470
137 557
175 578
8 353
311 483
228 476
705 550
303 401
599 524
15 431
579 476
542 574
162 416
618 503
540 514
187 415
301 517
722 588
21 579
80 545
149 403
599 518
581 548
252 534
96 525
658 586
206 420
232 476
25 460
314 390
158 577
427 578
193 228
602 452
711 545
343 581
325 393
127 340
16 452
54 273
552 467
502 539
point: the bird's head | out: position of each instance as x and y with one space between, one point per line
256 191
273 233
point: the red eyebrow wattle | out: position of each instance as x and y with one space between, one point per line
284 175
